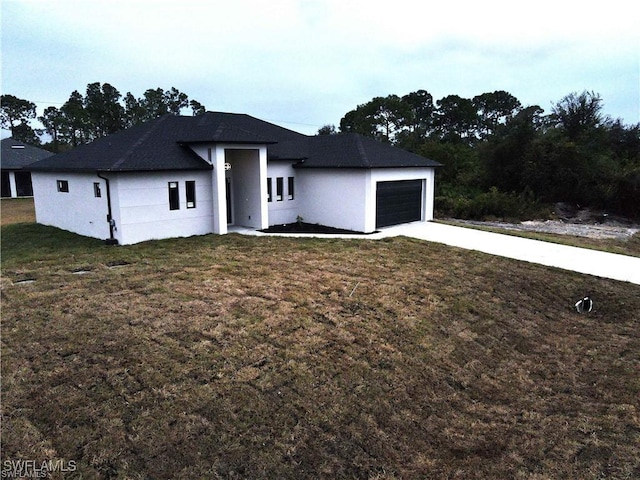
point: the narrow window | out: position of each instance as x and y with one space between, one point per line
63 186
96 190
191 193
290 190
279 188
269 190
174 196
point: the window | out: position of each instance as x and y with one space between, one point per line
290 190
63 186
96 190
279 188
174 196
269 190
191 193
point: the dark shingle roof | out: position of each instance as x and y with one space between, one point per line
351 150
221 127
234 128
16 155
149 146
163 144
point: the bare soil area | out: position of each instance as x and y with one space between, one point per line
611 230
574 221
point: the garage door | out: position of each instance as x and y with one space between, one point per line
398 202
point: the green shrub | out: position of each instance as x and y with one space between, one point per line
493 204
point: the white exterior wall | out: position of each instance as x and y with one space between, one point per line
346 199
335 197
341 198
77 210
285 211
140 203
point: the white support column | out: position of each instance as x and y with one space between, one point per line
13 188
219 191
429 194
370 202
264 206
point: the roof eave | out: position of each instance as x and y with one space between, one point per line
119 170
363 167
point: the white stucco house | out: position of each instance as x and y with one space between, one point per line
181 176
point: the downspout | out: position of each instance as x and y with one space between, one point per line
112 224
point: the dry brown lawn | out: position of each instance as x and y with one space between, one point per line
17 210
237 357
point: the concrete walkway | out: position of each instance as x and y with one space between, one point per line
582 260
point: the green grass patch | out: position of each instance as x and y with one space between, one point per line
31 242
261 357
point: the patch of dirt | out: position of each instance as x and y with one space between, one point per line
573 221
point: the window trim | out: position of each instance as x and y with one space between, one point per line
279 189
63 186
174 195
190 192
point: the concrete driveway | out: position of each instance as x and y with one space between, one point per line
582 260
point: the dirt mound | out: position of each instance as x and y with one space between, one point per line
569 213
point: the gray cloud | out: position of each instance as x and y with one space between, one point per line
307 63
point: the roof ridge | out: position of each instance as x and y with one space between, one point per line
137 143
226 126
362 151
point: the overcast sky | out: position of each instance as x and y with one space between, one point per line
305 63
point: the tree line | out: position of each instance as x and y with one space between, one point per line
499 158
101 111
503 159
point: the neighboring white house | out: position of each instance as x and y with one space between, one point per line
14 161
181 176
